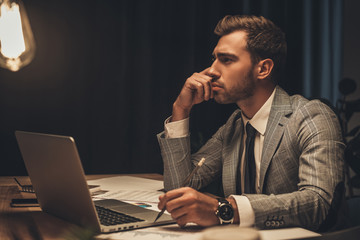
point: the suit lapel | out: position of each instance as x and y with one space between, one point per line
231 157
280 110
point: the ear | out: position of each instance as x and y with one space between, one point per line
264 68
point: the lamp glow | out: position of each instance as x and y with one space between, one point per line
17 45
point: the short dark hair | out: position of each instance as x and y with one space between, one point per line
264 39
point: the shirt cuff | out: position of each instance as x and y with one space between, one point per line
246 212
177 129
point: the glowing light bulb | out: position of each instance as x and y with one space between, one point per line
17 45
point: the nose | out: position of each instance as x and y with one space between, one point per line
213 72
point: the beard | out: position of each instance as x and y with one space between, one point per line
242 90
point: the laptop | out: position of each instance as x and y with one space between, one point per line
58 178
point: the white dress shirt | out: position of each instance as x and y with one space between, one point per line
259 121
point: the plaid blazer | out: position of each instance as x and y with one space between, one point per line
301 166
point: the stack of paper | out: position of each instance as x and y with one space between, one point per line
139 191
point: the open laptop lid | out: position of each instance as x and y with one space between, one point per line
56 172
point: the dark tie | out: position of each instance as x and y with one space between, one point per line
250 169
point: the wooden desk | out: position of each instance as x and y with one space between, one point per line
31 222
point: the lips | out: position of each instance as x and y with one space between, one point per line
215 86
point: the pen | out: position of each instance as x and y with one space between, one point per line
185 183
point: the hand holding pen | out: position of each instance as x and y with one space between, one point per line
185 183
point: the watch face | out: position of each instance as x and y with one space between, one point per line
226 212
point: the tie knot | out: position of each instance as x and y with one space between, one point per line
250 131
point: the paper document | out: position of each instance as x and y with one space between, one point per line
127 183
193 232
171 232
287 233
138 191
132 195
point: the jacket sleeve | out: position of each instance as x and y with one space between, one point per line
179 162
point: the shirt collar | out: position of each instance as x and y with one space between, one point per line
260 119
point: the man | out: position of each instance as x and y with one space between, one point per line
288 172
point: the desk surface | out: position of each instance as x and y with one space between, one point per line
31 222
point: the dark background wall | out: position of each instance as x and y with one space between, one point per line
106 72
352 53
351 63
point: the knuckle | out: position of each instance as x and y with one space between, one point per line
190 198
168 207
186 189
173 215
181 221
192 195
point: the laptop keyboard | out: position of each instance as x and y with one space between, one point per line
109 217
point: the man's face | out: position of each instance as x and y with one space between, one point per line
232 69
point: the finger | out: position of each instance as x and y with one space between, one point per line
205 71
200 85
188 212
180 216
170 196
182 221
203 89
161 196
162 201
191 94
194 83
206 80
186 197
165 198
207 88
201 76
178 213
199 94
177 192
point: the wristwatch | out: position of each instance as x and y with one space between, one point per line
225 212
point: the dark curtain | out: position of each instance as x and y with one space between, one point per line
107 72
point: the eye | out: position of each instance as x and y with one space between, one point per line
225 60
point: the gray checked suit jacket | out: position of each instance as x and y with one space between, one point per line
301 166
